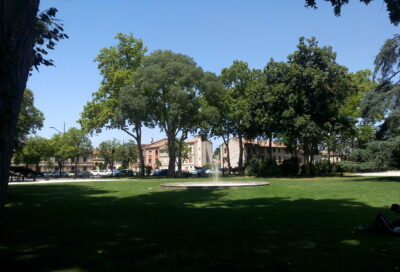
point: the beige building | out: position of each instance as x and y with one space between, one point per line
156 154
200 154
260 149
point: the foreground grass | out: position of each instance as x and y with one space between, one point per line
135 225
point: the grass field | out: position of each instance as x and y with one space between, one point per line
135 225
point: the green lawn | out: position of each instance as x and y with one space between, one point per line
135 225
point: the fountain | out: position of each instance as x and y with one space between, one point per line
215 183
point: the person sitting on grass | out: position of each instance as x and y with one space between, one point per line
382 225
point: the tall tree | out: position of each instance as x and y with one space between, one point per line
126 154
392 6
238 80
214 109
60 150
20 29
312 88
107 151
34 150
30 119
382 103
173 83
118 65
134 110
77 144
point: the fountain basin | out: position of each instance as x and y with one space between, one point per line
208 184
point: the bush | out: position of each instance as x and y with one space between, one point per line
350 166
253 167
290 167
269 168
257 167
360 155
148 170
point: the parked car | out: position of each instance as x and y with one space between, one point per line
161 172
198 172
79 174
126 173
84 174
213 172
73 173
58 174
95 172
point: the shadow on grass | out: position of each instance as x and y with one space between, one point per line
75 228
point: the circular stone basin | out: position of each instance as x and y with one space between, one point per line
209 184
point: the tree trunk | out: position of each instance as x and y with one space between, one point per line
240 162
138 128
171 153
306 158
180 151
226 142
76 167
17 38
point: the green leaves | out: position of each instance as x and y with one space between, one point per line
118 65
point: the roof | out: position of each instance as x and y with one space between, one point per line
262 143
156 144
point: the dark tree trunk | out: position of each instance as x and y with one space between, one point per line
138 138
171 153
138 128
17 38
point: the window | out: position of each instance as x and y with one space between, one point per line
149 161
273 150
156 152
84 160
224 149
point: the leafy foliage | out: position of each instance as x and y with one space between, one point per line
107 151
30 119
49 31
392 6
33 151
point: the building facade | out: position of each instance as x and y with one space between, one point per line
260 149
156 154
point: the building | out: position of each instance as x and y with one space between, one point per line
200 154
156 154
260 149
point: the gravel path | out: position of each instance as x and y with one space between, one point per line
379 174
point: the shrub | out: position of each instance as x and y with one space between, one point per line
290 167
350 166
253 167
269 168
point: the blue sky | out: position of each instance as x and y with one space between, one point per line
213 32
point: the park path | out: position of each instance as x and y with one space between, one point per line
59 180
379 174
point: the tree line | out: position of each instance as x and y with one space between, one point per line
309 102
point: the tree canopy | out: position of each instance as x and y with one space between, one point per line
30 119
392 7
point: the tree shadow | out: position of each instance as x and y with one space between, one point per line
79 228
